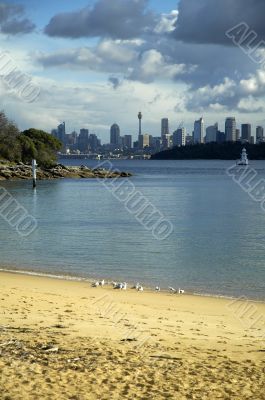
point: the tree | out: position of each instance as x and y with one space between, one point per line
32 143
43 145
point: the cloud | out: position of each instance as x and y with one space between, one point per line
114 81
153 65
206 21
119 19
167 22
128 58
12 21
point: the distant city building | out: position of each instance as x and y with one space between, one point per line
115 135
127 142
164 127
189 140
259 134
83 141
179 137
156 144
220 137
198 133
143 141
94 142
166 141
211 133
245 133
60 134
230 129
237 135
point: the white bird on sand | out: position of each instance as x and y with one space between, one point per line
136 286
102 283
124 286
114 284
95 284
140 289
172 289
119 285
157 289
181 291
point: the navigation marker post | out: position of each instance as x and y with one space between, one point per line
34 173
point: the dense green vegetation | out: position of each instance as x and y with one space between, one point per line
211 151
18 146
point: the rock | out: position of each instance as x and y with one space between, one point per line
22 171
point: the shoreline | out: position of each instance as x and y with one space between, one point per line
147 289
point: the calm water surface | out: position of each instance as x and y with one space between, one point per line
217 246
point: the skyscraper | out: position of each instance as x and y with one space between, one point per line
198 131
164 127
83 142
230 129
246 132
128 141
143 141
179 137
115 135
211 133
259 134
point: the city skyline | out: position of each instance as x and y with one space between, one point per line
167 128
91 73
146 144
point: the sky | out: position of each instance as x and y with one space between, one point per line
97 62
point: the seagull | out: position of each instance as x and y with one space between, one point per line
118 285
181 291
140 289
136 286
172 289
95 284
157 289
102 283
114 284
124 286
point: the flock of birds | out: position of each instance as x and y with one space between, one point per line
138 287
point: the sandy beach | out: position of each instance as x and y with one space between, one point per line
64 339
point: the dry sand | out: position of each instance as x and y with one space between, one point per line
65 340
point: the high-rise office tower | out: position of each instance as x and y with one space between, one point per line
230 129
115 134
179 137
211 133
83 141
246 132
198 133
259 134
128 141
164 127
143 141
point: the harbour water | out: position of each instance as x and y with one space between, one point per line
217 245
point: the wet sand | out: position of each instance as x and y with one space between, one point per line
66 340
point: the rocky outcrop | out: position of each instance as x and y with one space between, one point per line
22 171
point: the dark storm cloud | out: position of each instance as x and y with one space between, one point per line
122 19
12 21
115 82
206 21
